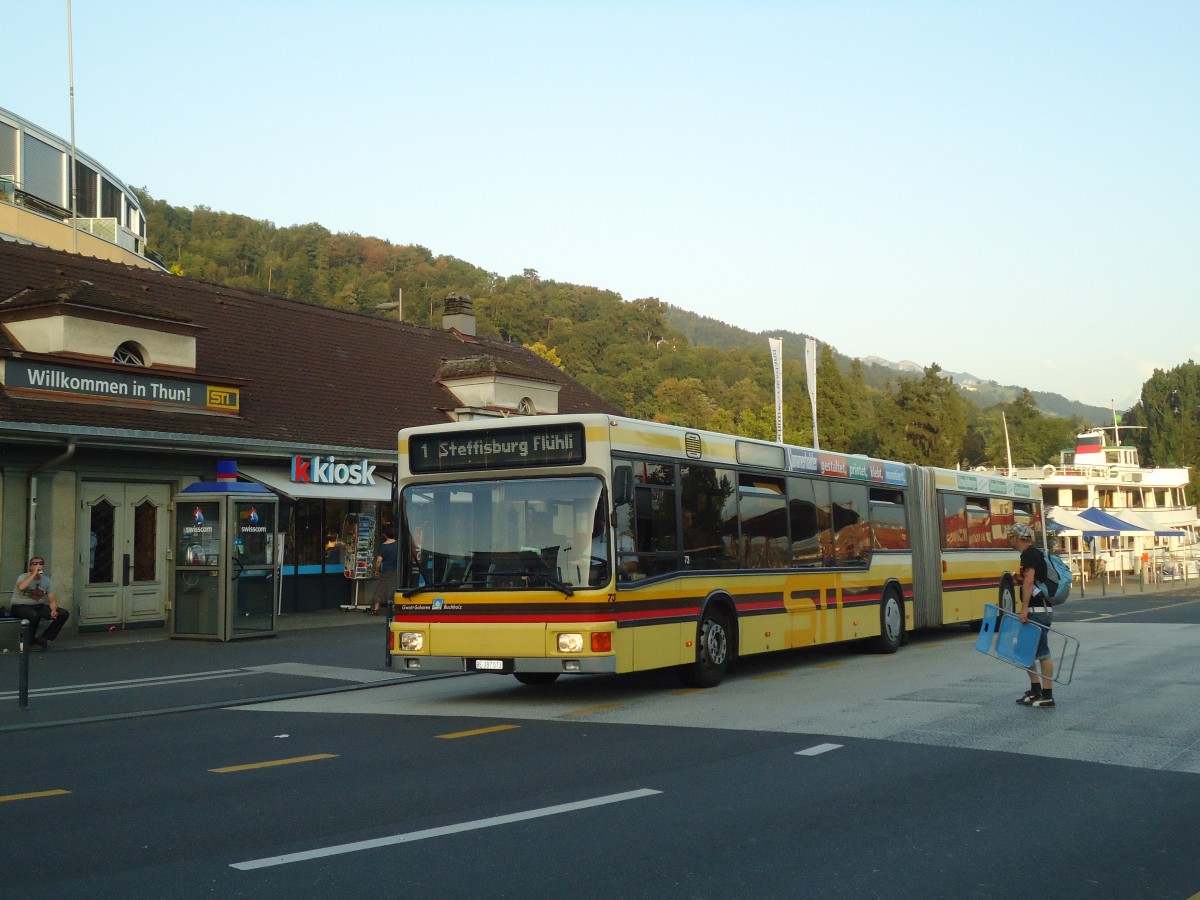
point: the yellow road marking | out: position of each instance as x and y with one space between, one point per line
591 709
33 795
475 731
829 665
274 762
770 675
683 692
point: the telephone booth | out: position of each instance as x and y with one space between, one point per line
225 562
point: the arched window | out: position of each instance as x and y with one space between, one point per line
129 354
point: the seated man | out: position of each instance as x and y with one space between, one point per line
34 599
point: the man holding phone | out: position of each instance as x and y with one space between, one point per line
34 599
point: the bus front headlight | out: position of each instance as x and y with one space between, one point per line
570 643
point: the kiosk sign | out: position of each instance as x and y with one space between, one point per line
327 470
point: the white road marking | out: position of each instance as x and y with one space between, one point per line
818 749
287 858
334 673
331 673
129 683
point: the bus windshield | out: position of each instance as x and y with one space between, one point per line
507 534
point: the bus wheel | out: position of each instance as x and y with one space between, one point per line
536 678
712 652
1007 600
891 623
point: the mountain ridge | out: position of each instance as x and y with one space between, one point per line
709 332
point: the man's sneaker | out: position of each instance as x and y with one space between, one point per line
1043 702
1028 697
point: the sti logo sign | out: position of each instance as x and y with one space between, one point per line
327 470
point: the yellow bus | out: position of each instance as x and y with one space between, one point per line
550 545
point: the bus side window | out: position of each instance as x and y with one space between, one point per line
851 527
954 522
1002 516
979 523
622 484
808 514
802 519
762 509
889 528
710 528
626 549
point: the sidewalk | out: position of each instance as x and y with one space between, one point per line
325 618
1100 587
141 672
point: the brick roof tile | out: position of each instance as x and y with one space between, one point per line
310 373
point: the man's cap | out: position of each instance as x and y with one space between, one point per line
1022 531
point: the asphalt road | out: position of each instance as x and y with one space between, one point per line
827 773
274 804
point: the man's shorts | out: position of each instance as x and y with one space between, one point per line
1042 619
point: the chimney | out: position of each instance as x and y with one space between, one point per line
458 313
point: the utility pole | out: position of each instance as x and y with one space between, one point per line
71 174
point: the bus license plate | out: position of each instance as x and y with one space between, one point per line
490 665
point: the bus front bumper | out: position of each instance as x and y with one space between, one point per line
588 665
505 648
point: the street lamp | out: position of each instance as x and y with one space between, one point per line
398 306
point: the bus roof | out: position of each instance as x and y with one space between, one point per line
678 442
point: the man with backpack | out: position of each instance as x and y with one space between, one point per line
1035 607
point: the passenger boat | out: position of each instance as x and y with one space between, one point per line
1106 505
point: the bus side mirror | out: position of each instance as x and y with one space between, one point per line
622 485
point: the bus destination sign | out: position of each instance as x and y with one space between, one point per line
497 448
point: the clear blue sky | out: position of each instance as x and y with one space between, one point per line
1010 189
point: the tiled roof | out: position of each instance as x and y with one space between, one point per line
309 374
487 364
78 292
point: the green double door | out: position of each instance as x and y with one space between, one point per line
125 537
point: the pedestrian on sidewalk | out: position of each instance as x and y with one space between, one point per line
1034 608
34 599
386 569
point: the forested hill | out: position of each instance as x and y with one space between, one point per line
638 354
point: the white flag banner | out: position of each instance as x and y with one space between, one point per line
777 366
810 369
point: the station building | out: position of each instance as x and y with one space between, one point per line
122 384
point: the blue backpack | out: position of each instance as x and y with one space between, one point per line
1057 586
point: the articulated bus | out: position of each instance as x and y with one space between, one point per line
538 546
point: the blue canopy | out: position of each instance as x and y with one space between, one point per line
1139 521
1100 517
1059 519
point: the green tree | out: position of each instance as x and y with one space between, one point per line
925 422
1169 408
836 420
974 448
683 402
